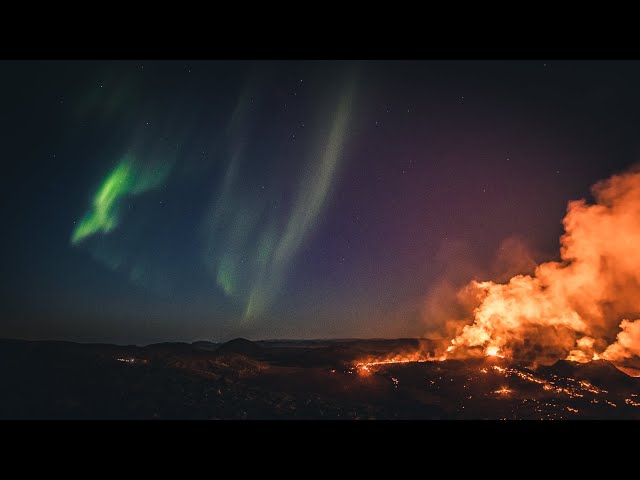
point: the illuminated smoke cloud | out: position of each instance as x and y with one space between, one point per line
447 306
627 344
577 308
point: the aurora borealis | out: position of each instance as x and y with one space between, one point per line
248 243
253 247
127 178
185 200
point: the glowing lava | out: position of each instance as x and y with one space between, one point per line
493 352
366 367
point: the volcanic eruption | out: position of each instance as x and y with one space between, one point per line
583 307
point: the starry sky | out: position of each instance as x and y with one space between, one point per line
147 201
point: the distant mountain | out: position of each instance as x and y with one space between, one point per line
204 345
169 345
172 348
241 346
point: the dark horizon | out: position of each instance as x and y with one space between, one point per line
163 201
255 340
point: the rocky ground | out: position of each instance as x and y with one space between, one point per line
296 380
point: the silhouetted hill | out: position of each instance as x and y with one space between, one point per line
600 372
204 345
241 346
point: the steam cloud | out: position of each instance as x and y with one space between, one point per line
578 308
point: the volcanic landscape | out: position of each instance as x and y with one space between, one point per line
311 379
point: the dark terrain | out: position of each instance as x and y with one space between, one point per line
296 380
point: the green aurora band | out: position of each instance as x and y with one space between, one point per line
257 249
127 178
248 248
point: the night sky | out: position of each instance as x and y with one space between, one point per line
148 201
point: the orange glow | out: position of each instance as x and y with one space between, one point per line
368 365
632 372
567 309
492 351
503 391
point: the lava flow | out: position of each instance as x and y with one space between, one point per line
367 366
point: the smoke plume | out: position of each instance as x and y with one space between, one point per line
576 308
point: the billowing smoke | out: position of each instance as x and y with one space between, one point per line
627 344
447 306
576 308
445 310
